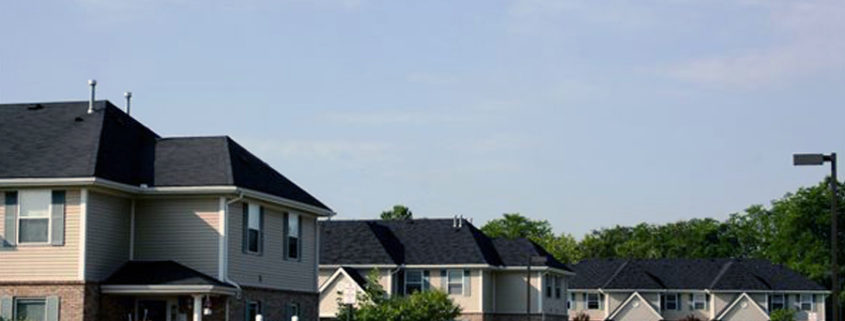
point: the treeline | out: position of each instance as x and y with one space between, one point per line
793 230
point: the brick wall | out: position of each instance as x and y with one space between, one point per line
273 304
72 306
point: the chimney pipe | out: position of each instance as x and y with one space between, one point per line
93 84
461 221
128 96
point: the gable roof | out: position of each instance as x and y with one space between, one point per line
634 296
678 274
740 298
160 273
351 274
419 242
62 140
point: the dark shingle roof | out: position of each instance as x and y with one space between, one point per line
419 241
715 274
357 277
60 140
160 273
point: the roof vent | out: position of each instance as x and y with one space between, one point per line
128 96
35 107
93 84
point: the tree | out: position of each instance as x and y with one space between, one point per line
514 225
399 212
783 315
374 305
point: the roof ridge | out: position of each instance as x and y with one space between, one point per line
721 273
616 273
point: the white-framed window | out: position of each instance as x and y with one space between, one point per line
456 281
699 301
777 302
34 216
253 228
292 236
558 286
806 302
413 281
671 302
593 301
30 309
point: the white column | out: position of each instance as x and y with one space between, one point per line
197 307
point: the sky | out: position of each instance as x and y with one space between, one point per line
585 113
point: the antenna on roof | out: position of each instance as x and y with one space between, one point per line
128 96
93 84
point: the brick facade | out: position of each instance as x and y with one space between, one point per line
274 303
71 296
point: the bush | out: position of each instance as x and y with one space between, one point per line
581 316
783 315
373 305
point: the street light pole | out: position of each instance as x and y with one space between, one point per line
820 159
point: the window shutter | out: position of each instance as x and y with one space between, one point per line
10 227
426 280
261 230
662 302
52 308
57 218
245 228
692 302
444 281
285 235
467 284
299 241
6 308
706 301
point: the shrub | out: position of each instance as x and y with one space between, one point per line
783 315
373 305
581 316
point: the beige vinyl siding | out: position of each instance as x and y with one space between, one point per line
271 269
469 303
745 313
685 302
510 292
636 310
324 275
185 230
108 234
45 263
722 300
614 299
579 306
329 298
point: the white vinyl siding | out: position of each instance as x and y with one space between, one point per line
107 241
270 269
184 230
45 263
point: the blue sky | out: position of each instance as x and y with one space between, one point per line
586 113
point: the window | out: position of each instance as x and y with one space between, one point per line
456 282
671 302
413 281
293 236
30 310
34 216
699 301
570 304
777 302
593 301
253 309
253 228
806 301
558 285
549 284
293 311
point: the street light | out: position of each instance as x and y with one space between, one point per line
816 160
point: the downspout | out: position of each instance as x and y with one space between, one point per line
226 246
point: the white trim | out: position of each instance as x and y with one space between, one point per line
132 231
628 300
221 244
83 231
801 301
542 297
737 300
166 289
316 254
480 288
165 190
49 218
702 291
340 271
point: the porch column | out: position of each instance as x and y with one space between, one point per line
198 307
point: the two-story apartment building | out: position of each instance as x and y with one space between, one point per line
103 219
488 278
709 289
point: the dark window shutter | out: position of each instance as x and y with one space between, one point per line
245 228
426 280
10 217
286 236
6 308
467 284
57 218
444 281
299 238
662 302
261 230
52 308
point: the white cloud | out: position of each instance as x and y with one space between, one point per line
811 44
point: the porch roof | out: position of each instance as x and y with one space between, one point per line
156 277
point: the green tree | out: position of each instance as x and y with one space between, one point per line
514 225
374 305
398 212
783 315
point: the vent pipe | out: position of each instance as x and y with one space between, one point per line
461 221
128 96
93 84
